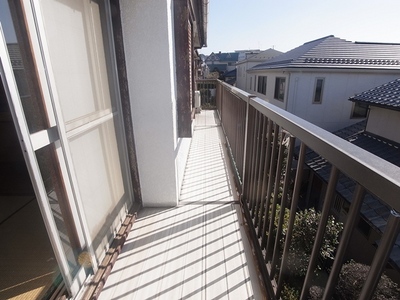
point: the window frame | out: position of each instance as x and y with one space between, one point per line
277 94
359 105
321 93
262 85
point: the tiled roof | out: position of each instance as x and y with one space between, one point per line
231 73
386 95
220 67
223 57
372 209
333 52
261 56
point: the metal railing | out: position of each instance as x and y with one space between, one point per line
262 140
207 90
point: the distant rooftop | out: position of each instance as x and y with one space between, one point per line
386 95
333 52
261 57
222 57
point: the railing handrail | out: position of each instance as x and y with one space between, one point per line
257 134
377 175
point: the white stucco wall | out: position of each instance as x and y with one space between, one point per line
243 81
335 110
271 76
149 49
241 75
384 122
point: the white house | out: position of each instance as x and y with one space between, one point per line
384 110
245 80
378 134
314 80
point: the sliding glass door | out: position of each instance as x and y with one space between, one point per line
62 87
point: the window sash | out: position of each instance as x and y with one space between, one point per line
318 90
262 85
280 83
360 110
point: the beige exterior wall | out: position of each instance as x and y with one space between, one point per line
384 122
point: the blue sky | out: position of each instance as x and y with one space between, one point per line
284 25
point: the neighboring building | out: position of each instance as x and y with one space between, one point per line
222 62
244 54
229 77
314 80
244 80
383 104
377 134
95 110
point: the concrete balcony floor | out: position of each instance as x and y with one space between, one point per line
197 250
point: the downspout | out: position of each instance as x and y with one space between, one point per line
288 89
292 108
205 21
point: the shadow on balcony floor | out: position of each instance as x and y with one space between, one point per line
198 250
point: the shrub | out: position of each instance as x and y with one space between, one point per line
305 229
351 281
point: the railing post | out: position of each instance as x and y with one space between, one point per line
245 139
381 256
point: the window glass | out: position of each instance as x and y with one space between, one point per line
280 83
319 86
52 178
78 59
360 110
262 85
23 67
100 180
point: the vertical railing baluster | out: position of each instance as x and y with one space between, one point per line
351 221
245 146
329 196
256 161
249 153
271 177
261 173
267 162
281 155
381 256
286 184
253 160
292 215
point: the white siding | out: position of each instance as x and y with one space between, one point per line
269 97
384 122
334 111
